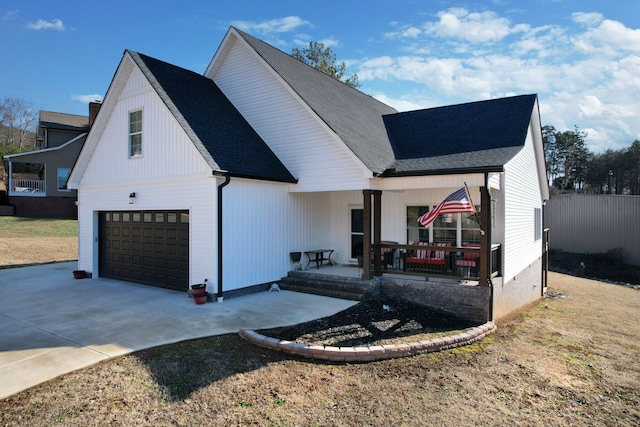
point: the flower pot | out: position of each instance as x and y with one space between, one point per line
198 290
201 299
79 274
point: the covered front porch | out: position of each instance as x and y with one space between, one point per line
477 260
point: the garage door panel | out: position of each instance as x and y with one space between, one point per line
149 247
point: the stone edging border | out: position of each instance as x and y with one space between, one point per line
369 353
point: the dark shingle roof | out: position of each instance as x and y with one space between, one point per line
473 136
218 130
354 116
63 121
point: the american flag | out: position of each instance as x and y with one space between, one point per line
456 202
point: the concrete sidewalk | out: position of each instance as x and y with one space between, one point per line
52 324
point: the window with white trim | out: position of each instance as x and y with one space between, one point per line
537 213
464 227
135 133
63 176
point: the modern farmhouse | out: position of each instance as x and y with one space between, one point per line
230 174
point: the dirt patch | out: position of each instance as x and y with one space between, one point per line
607 266
570 359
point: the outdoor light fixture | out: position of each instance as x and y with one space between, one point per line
132 198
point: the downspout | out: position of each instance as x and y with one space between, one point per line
489 237
227 178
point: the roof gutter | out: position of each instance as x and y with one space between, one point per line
227 179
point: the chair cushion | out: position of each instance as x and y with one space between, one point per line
423 253
471 256
439 255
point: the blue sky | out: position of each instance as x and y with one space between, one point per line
581 57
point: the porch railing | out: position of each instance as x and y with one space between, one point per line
27 187
451 262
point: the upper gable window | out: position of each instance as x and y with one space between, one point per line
135 133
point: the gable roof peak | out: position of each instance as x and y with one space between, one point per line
355 117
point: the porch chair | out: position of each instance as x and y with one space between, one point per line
469 259
387 254
429 259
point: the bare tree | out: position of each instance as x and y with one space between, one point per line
17 120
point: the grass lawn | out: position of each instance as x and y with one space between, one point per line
570 359
15 226
567 360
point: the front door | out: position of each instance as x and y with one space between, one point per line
356 232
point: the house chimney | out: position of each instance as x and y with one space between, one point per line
94 107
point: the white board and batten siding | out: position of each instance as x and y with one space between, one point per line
166 149
522 196
262 224
170 174
306 146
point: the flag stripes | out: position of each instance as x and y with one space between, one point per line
456 202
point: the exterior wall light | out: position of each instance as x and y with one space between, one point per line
132 198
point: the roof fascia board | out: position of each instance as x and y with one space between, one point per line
45 150
218 57
535 126
184 124
217 61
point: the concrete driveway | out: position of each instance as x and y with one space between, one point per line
52 324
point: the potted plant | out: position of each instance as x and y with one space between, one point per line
199 289
201 298
79 274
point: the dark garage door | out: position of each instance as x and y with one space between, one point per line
148 247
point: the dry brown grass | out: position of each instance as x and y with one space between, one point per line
562 361
29 250
26 241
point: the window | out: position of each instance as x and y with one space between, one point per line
415 231
135 133
471 226
453 228
445 228
537 212
63 176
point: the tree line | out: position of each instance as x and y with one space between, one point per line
571 166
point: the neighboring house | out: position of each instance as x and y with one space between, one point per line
220 176
37 180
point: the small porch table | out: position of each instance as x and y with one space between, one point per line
318 256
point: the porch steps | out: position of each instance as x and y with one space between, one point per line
349 288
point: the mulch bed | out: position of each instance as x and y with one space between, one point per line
379 320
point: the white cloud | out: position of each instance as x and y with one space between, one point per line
590 19
611 38
41 24
400 104
590 106
476 27
9 15
85 99
280 25
586 73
